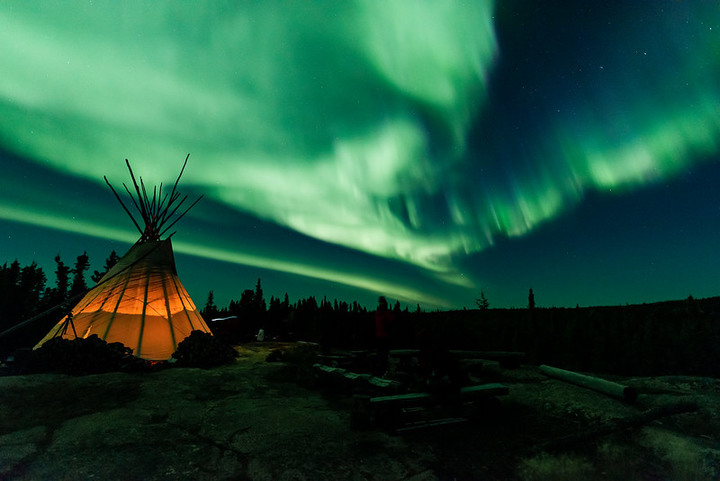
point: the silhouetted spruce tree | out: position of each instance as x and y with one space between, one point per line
109 263
78 283
531 300
11 275
278 316
62 281
481 301
325 304
306 318
9 291
210 311
246 305
258 299
31 287
274 304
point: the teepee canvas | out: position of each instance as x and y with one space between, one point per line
140 301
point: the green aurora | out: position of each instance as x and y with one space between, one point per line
401 137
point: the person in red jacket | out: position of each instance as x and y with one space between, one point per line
383 326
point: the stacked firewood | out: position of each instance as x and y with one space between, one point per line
204 350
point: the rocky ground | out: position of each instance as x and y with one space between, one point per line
252 421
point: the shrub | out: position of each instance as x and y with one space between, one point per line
81 356
204 350
684 459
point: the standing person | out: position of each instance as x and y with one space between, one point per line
383 325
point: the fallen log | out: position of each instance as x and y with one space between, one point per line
615 425
604 386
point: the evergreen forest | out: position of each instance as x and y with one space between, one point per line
672 337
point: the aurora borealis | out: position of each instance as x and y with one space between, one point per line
420 150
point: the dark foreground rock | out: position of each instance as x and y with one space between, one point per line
247 421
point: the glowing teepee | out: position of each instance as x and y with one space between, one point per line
140 301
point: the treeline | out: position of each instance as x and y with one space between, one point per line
25 293
335 323
666 338
673 337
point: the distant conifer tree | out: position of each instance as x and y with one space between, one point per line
258 299
78 283
531 300
482 301
210 311
109 263
32 285
62 280
246 303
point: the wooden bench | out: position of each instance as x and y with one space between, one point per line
401 412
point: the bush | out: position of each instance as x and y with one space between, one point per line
204 350
81 356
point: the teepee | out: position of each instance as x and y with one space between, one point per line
140 301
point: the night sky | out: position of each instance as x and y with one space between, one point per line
418 150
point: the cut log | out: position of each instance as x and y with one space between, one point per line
604 386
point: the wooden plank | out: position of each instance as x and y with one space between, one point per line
493 389
344 374
481 390
404 353
328 369
335 357
429 424
400 398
